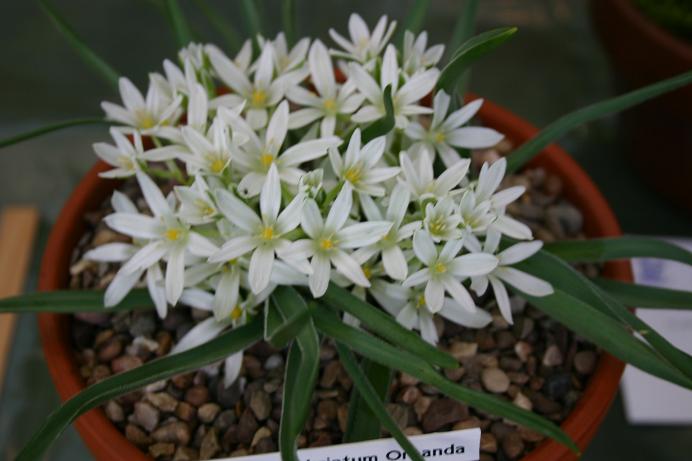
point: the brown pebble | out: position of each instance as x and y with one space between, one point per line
421 406
114 411
175 432
109 349
408 380
463 350
585 362
207 412
265 445
260 404
443 412
185 454
197 395
342 417
330 374
495 380
409 395
253 367
552 356
488 443
529 435
164 341
163 401
512 445
504 339
159 450
523 350
137 436
523 401
185 412
210 444
125 363
247 426
146 416
261 433
400 413
182 381
412 430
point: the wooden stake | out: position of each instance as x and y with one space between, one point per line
17 231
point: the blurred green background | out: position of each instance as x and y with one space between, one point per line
554 65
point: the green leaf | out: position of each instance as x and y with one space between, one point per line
560 274
120 384
379 351
564 124
288 17
634 295
374 401
414 20
610 248
470 51
178 21
97 64
362 422
384 325
219 22
466 23
302 368
50 128
385 124
252 20
67 301
278 331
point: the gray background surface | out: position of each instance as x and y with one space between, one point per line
554 65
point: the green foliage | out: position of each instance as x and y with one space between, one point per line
35 133
385 124
673 15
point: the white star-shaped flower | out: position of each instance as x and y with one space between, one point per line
363 46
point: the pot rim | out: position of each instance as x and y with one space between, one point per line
106 442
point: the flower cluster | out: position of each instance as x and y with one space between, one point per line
275 184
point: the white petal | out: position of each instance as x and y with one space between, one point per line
519 252
459 293
512 228
111 252
440 108
201 333
424 247
197 298
236 211
474 137
200 246
525 282
260 270
319 279
408 316
365 83
175 275
226 295
278 126
308 150
417 278
417 87
231 368
362 234
290 217
502 299
507 196
321 70
145 257
270 197
473 264
489 178
434 295
394 263
452 176
350 268
479 318
153 196
227 71
463 115
120 286
157 292
311 221
302 117
234 248
121 203
340 209
427 327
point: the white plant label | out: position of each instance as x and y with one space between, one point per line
443 446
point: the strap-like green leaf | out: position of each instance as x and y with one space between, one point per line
463 29
362 423
379 351
156 370
610 248
289 19
414 20
252 19
374 401
384 325
49 129
302 368
93 60
68 301
219 22
564 124
560 274
385 124
631 294
277 330
178 21
470 51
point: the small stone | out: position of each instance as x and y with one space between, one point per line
556 386
197 395
146 416
207 412
529 435
327 410
488 443
224 420
114 411
504 339
443 412
518 377
159 450
544 405
109 349
455 374
185 412
552 356
512 445
421 406
228 396
409 395
125 363
185 454
495 380
210 445
137 436
163 401
175 432
265 445
164 341
399 413
511 364
500 430
553 185
485 340
143 324
523 401
412 430
247 426
468 423
523 350
261 433
524 327
330 374
585 362
253 367
408 380
274 362
182 381
260 404
463 350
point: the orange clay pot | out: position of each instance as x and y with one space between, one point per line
108 444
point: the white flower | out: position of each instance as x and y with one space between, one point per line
410 309
194 53
419 176
445 134
503 273
310 183
196 204
161 107
285 60
168 238
329 239
264 92
255 157
416 55
404 99
125 156
442 220
120 252
332 99
359 167
264 234
363 45
444 271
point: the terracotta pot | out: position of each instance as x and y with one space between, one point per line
658 133
108 444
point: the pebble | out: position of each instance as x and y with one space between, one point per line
137 436
114 411
523 350
146 416
552 356
443 412
488 443
207 412
175 432
185 412
261 404
109 349
197 395
512 445
274 362
125 363
163 401
210 445
409 395
159 450
585 362
247 426
523 401
495 380
185 454
463 350
261 433
400 413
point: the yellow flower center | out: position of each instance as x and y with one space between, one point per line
236 313
258 98
174 234
266 160
126 163
217 165
329 104
204 207
437 226
326 244
440 268
367 272
145 120
420 302
267 233
439 136
353 174
229 265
